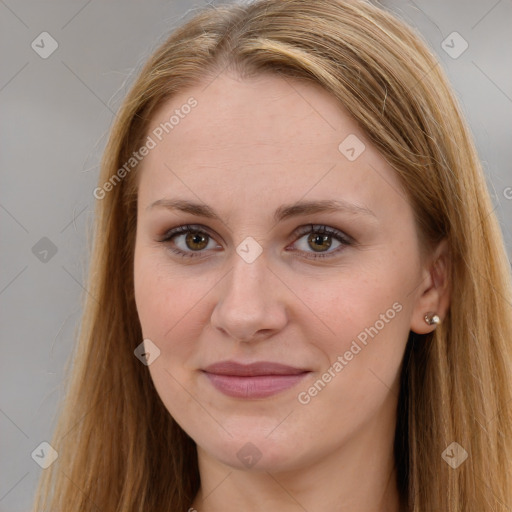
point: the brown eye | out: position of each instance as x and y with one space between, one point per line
188 240
196 240
322 242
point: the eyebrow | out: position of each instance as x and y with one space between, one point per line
283 212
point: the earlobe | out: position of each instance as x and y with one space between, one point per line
434 296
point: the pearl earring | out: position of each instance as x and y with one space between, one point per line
432 319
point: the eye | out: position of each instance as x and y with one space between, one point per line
188 240
192 237
319 238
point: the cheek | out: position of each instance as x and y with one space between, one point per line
162 309
363 349
365 322
171 309
356 306
160 298
148 295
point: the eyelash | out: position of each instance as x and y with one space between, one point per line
345 240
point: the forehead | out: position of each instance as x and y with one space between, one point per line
259 139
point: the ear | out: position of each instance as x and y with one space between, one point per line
433 295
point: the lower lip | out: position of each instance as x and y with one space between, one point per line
260 386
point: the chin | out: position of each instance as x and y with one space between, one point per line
255 452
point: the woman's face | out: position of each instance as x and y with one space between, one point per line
254 283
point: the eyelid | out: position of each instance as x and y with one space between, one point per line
330 230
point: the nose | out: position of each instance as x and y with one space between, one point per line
251 302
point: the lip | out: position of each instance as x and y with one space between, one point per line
255 380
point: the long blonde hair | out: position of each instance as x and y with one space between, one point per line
119 448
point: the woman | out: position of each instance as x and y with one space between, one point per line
231 357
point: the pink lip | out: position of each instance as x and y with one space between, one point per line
256 380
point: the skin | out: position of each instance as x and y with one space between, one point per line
248 147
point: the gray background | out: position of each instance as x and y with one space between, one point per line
56 113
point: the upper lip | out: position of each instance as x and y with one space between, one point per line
253 369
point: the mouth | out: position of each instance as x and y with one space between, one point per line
256 380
